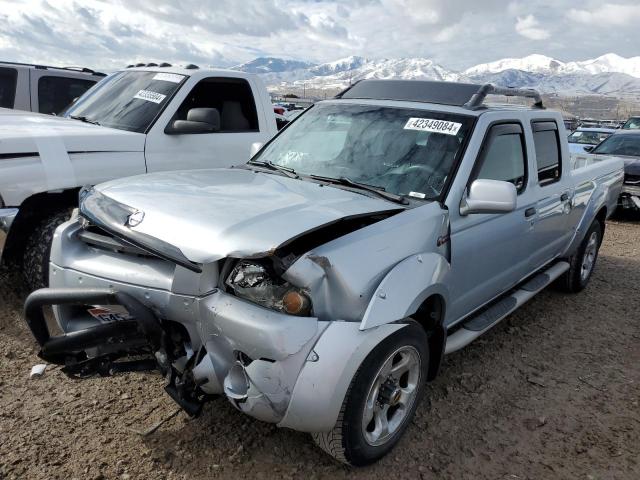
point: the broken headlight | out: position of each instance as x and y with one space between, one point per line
253 281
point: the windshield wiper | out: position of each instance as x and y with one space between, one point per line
288 171
380 191
84 119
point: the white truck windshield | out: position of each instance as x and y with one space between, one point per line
403 151
128 100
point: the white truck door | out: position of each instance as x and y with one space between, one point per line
242 122
551 232
489 252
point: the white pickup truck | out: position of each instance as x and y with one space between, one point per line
138 120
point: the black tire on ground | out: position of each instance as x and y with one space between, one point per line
576 278
346 442
38 249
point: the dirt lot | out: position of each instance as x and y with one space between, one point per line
553 392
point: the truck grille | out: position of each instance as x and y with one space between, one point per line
98 238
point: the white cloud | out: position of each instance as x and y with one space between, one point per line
612 14
108 34
529 28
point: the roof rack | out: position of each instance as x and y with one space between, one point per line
46 67
477 99
467 95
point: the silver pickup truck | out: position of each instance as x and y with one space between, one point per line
319 285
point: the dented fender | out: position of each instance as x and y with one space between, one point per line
405 287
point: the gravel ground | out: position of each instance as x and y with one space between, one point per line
552 392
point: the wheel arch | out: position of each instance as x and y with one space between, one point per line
430 316
32 211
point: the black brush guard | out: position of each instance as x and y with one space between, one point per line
141 334
121 338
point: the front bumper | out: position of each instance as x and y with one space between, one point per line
251 354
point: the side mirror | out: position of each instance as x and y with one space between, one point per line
489 196
199 120
588 148
255 148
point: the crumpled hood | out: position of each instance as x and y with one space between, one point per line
212 214
26 133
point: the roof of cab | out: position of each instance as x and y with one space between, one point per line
465 95
188 70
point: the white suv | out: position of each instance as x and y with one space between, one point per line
38 88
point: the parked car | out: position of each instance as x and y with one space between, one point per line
39 88
138 120
624 144
318 286
632 124
587 137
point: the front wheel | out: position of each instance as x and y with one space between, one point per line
583 262
381 400
38 249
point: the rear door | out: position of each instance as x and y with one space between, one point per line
241 122
554 193
489 252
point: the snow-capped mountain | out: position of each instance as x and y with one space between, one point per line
606 75
609 63
272 65
532 63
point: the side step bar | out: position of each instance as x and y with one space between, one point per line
491 316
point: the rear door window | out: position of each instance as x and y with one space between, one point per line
55 94
8 79
547 144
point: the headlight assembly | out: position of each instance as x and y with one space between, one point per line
253 281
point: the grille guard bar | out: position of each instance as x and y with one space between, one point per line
59 349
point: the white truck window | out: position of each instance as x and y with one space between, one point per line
55 94
547 145
8 78
504 157
233 98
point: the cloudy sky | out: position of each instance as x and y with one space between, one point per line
456 33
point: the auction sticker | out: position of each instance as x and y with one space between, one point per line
150 96
168 77
431 125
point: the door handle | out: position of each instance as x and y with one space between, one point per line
564 197
530 212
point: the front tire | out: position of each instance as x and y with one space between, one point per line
38 249
381 400
583 262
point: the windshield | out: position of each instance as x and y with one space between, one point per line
403 151
628 145
588 138
632 124
128 100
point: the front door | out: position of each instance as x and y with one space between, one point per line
489 252
231 145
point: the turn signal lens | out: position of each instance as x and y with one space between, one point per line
295 303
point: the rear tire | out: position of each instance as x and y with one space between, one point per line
381 400
38 249
583 262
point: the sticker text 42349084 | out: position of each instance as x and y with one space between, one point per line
432 125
